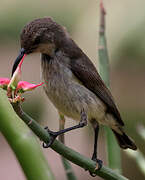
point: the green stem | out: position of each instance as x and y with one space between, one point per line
66 164
114 156
66 152
23 142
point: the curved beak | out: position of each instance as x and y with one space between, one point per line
18 59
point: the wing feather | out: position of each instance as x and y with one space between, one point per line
86 72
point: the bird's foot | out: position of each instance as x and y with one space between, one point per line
99 164
53 136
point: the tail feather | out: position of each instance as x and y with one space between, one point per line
124 141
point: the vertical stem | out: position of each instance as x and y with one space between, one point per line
114 156
67 166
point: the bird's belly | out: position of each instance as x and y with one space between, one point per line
70 98
67 93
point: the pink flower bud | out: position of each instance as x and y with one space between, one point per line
16 76
26 86
4 82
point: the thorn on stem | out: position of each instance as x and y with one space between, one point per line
30 122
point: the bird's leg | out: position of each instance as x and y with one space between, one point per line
53 135
94 156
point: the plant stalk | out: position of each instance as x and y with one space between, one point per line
23 142
114 156
66 164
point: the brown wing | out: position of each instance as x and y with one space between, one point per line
86 72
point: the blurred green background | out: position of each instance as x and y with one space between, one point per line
126 44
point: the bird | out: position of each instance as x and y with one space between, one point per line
72 82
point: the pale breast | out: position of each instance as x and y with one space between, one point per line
67 94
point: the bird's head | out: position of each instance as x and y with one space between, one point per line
40 35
